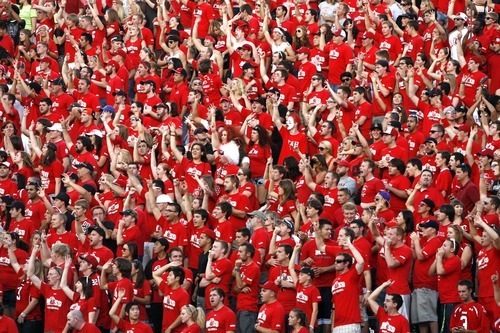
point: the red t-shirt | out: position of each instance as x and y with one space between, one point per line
471 316
220 321
403 255
56 308
345 291
421 277
250 275
286 296
173 301
447 284
272 316
305 298
222 269
392 324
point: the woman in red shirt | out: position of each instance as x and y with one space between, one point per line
28 311
82 296
194 318
298 321
142 289
286 197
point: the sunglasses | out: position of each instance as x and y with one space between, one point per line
315 79
321 148
346 79
339 261
134 118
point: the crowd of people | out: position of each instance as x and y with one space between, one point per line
271 166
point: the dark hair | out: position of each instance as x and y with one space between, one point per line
323 222
132 247
347 258
349 232
288 249
219 292
203 213
301 316
245 232
316 205
139 282
124 266
398 164
292 168
415 162
249 248
465 168
130 305
408 218
86 142
466 283
86 286
225 207
495 201
445 155
178 272
449 211
396 298
459 157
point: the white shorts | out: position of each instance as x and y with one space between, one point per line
351 328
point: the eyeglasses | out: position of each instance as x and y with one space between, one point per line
329 101
196 83
434 131
346 79
321 148
339 261
134 119
315 79
457 19
170 41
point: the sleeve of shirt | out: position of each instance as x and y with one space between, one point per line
231 321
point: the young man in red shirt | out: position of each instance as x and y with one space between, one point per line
218 271
469 315
246 275
174 296
271 315
389 318
346 316
425 286
221 319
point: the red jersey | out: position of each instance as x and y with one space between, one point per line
222 269
447 284
220 321
286 296
272 316
173 301
250 275
421 277
392 324
305 298
471 316
56 308
345 291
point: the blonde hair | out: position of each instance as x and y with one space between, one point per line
240 88
327 145
197 314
